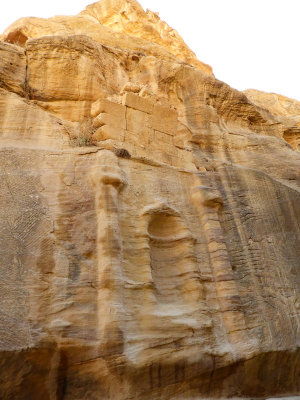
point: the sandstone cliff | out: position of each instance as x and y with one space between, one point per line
150 218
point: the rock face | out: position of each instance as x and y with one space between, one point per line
150 218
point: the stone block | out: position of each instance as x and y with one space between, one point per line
109 107
163 137
163 157
136 139
164 147
109 132
137 121
117 121
138 103
164 119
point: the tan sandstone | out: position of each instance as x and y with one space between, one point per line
149 218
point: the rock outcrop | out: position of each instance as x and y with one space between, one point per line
150 218
285 110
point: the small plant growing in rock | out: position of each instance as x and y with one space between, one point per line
83 134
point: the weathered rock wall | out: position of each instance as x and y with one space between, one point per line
150 219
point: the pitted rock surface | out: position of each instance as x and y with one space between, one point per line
150 218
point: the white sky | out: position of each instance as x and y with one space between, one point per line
249 43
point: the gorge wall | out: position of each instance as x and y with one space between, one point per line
150 218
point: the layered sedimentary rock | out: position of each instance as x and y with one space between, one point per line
150 218
285 110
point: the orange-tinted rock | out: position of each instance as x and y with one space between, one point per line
149 218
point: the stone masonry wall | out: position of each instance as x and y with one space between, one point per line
146 129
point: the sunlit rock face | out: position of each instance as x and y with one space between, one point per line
150 218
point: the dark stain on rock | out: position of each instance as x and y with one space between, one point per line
151 375
45 261
122 153
74 267
62 381
73 206
179 371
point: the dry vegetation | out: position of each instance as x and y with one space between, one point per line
82 135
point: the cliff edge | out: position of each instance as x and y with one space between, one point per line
149 218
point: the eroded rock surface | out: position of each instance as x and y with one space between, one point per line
150 218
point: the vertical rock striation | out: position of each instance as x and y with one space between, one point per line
150 218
